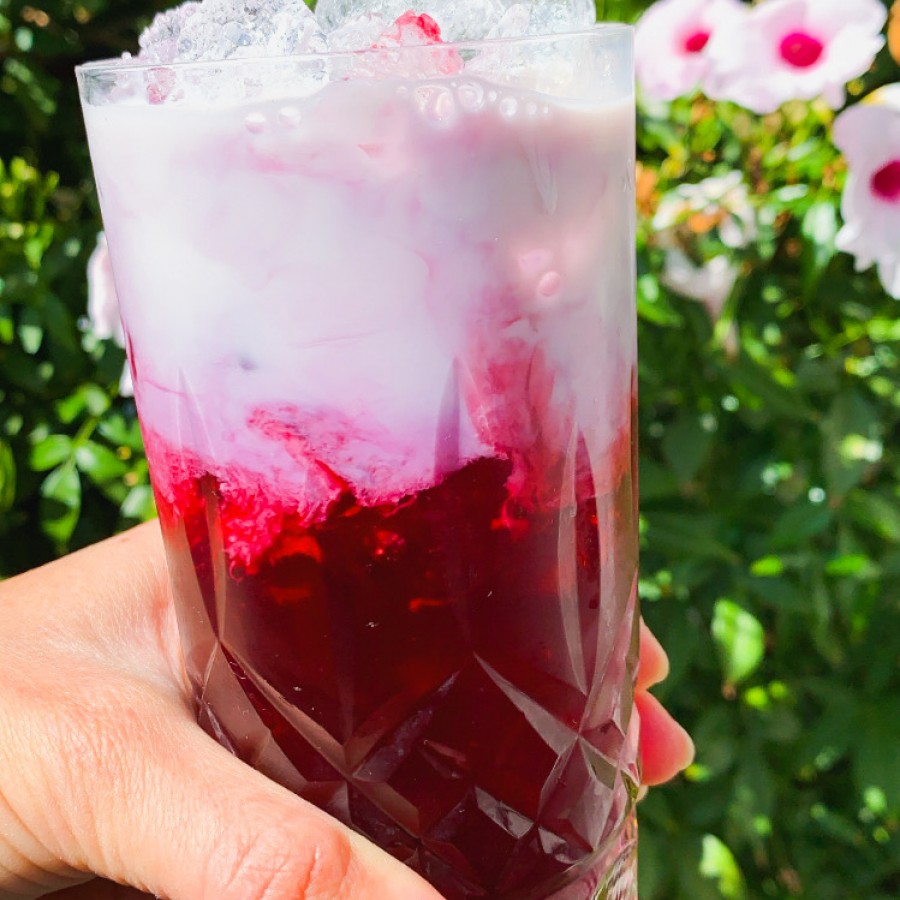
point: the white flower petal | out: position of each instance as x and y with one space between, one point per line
889 275
126 385
710 284
103 303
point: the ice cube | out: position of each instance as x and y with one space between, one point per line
548 66
469 20
221 29
159 41
561 16
333 14
514 22
357 33
544 17
371 32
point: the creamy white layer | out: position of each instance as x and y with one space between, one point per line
388 277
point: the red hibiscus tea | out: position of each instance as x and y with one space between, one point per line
380 316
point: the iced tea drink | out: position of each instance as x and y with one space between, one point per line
380 315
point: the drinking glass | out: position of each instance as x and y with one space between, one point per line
379 311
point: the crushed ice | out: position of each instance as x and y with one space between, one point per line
224 29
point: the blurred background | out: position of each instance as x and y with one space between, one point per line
769 410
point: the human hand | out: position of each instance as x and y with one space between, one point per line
665 747
103 770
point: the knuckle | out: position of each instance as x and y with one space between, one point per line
280 862
330 876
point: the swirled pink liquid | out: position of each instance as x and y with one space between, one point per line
383 346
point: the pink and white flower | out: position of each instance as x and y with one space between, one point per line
794 50
671 40
868 134
103 305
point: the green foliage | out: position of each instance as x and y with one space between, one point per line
71 463
771 512
770 509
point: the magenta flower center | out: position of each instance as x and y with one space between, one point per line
800 49
695 42
885 182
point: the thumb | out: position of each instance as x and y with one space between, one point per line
198 824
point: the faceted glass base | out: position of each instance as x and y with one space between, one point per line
614 876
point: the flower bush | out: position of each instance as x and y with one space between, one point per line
768 186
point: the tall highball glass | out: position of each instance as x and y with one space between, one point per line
380 317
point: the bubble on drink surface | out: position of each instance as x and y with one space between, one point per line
289 116
471 96
255 123
509 106
436 103
225 29
470 20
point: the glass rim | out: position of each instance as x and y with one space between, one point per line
609 31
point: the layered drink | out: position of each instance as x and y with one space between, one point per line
380 315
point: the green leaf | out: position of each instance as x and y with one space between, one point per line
754 792
715 734
139 503
61 502
850 420
718 862
799 523
767 567
878 513
99 463
31 331
7 324
838 828
686 445
849 564
760 389
60 324
121 431
653 305
7 477
50 452
876 761
90 398
656 481
683 534
652 870
831 736
96 400
740 640
820 227
780 593
692 883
